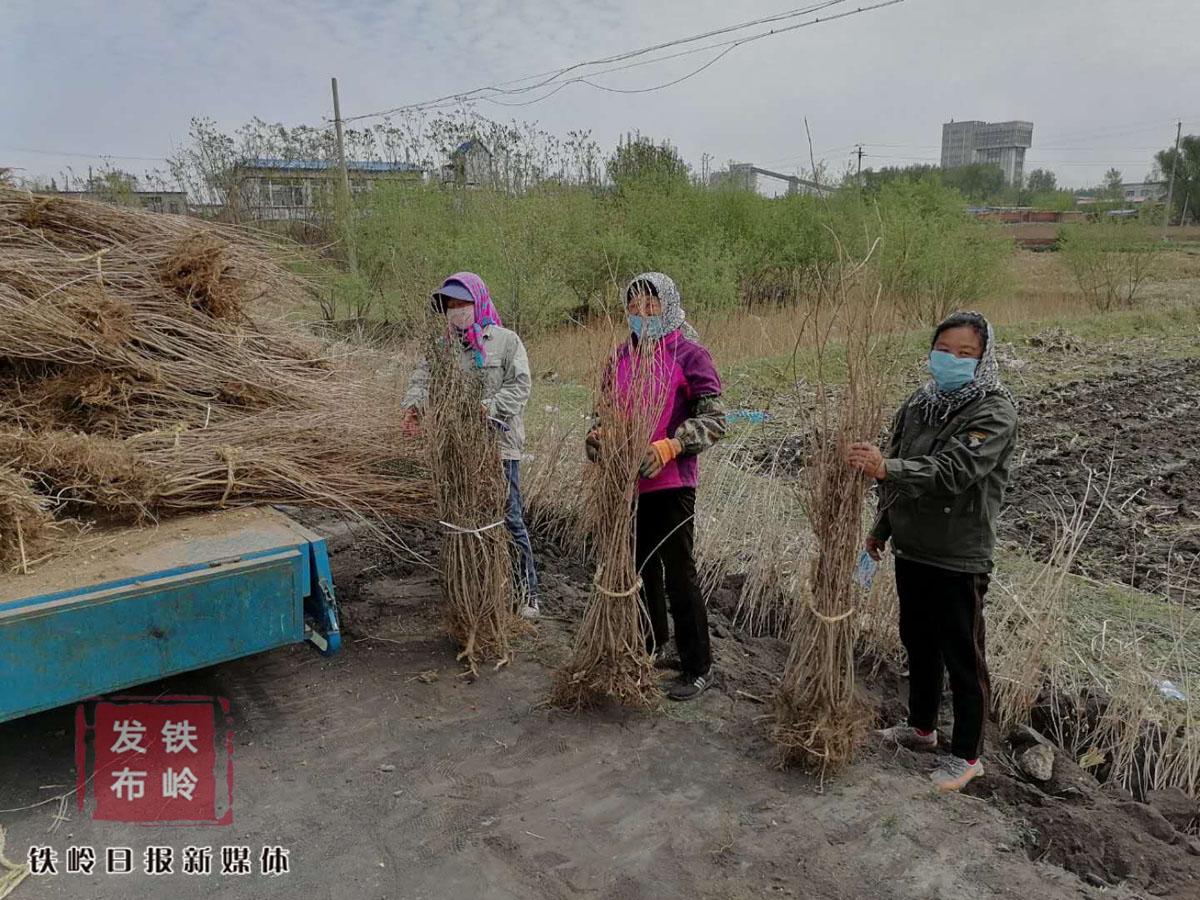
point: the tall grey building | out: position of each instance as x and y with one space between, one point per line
999 143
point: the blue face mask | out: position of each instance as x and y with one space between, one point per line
647 327
951 372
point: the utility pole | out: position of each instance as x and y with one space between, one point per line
351 256
1171 183
860 156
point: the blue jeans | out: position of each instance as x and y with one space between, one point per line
514 518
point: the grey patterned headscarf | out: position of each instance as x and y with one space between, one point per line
938 405
667 292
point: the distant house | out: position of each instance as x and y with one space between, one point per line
294 189
1143 191
174 202
471 164
1133 193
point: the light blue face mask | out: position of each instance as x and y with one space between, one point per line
951 372
646 327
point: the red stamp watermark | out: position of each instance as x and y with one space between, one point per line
160 760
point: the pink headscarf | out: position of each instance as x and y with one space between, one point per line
485 312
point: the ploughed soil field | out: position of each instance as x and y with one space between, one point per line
388 774
1135 431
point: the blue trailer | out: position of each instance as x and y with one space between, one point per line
133 605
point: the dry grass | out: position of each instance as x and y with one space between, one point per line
766 550
11 873
1087 662
820 716
1144 739
138 378
609 659
464 458
1042 289
1027 640
1103 689
878 615
25 525
775 335
551 478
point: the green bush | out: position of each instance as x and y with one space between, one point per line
557 254
932 257
1110 261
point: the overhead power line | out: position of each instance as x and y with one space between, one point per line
553 79
645 62
733 45
33 152
504 87
1115 130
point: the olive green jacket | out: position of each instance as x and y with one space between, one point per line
945 482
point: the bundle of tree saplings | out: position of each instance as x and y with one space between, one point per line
464 458
144 370
609 660
820 715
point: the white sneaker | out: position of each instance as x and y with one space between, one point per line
955 772
907 736
530 611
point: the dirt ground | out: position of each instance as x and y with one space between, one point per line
387 775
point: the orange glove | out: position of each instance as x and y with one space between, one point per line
659 454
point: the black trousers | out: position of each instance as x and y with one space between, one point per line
663 549
941 626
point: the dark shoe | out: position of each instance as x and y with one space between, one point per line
662 661
691 688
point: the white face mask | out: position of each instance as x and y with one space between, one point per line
462 317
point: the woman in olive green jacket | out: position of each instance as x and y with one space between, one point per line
941 484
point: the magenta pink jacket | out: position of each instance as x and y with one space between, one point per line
683 372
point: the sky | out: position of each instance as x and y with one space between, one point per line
1103 81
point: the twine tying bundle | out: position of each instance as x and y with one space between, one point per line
603 591
829 620
458 529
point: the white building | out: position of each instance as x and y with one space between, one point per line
294 189
1145 191
1001 144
